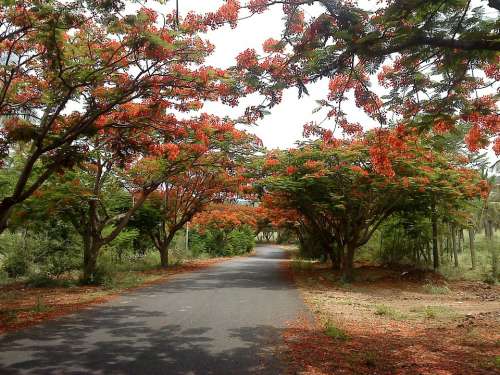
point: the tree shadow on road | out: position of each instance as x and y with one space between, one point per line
120 340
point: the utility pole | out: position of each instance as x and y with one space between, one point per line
187 236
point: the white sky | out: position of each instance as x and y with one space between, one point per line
283 127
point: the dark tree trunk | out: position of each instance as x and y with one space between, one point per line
5 210
435 250
90 254
334 256
348 263
164 246
461 241
164 256
454 245
472 235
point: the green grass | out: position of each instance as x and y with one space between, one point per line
40 306
335 332
389 312
123 280
436 312
302 264
435 289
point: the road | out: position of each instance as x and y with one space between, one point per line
226 319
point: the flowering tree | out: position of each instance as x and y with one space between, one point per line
437 63
227 217
70 70
346 196
111 185
212 180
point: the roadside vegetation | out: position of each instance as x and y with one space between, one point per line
388 321
112 175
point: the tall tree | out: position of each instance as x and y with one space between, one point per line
437 62
66 66
340 190
183 196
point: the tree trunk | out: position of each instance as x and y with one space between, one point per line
164 247
461 241
492 247
348 263
5 210
435 250
164 256
454 244
472 248
334 256
90 254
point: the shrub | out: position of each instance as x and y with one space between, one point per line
123 244
217 242
436 289
16 264
334 332
384 310
44 280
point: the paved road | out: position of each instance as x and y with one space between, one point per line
226 319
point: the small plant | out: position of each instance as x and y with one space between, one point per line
301 265
496 361
4 277
16 265
40 306
384 310
334 332
370 359
436 312
431 288
489 279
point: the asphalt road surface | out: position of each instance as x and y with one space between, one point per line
226 319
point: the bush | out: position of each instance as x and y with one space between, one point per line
51 249
123 244
16 264
335 332
44 280
217 242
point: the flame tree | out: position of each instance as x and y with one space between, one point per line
437 63
345 197
66 67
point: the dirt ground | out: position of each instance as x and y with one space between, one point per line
22 306
394 322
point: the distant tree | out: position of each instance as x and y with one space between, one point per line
177 201
108 188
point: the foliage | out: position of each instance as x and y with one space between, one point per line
344 197
216 242
433 60
335 333
16 265
389 312
132 70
